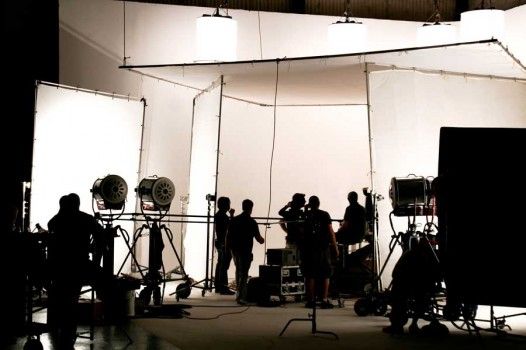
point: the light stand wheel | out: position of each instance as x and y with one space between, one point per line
145 296
362 307
183 290
379 307
156 296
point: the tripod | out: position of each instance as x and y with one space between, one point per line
152 278
311 318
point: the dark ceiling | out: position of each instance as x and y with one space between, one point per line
409 10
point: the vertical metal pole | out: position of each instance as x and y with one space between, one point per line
217 164
376 249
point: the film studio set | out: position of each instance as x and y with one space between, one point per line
236 176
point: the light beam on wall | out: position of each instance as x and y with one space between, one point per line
216 37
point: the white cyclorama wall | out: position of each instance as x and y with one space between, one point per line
320 150
165 152
79 138
407 111
91 49
205 126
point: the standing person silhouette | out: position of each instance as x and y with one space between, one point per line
224 256
243 230
319 239
293 216
354 223
14 261
71 233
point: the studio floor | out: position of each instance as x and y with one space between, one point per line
217 322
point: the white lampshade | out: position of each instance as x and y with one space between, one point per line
216 38
436 34
482 24
346 37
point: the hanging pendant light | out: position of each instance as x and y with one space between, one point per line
437 32
482 23
347 35
216 36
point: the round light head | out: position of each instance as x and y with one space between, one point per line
110 192
156 193
408 195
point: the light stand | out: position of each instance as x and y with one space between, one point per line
208 281
156 194
311 318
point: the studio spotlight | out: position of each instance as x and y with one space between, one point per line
110 192
409 196
156 193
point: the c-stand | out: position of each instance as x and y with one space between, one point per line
208 281
152 278
311 318
375 300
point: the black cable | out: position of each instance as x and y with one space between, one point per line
272 152
217 316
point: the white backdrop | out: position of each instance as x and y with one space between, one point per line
407 111
80 137
205 124
319 151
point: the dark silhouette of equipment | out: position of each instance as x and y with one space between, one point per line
109 193
155 194
311 317
183 290
410 197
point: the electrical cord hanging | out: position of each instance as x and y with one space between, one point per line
259 28
272 155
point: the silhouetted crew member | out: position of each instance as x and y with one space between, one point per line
354 224
12 293
415 276
293 216
319 239
243 229
224 256
71 235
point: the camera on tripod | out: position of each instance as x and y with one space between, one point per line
210 197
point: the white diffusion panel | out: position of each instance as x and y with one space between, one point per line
80 137
318 150
407 111
202 179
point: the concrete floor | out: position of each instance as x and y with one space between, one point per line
217 322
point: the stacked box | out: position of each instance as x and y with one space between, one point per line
282 280
282 257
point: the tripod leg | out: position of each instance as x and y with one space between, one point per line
136 236
170 235
293 320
